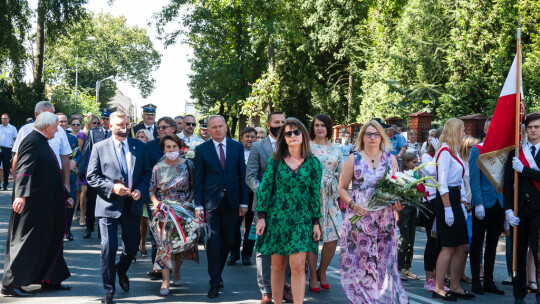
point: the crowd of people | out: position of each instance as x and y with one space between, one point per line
293 190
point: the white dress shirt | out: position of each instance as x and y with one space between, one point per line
128 157
59 143
149 128
7 135
450 172
537 146
429 170
246 154
273 141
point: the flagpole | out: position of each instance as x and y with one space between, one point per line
518 131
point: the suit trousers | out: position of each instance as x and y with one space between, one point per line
221 223
5 160
528 233
248 245
490 228
91 195
130 224
73 195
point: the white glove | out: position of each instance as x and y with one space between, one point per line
511 218
517 164
464 211
480 212
448 216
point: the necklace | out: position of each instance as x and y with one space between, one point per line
372 159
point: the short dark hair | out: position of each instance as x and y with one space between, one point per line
174 138
189 115
5 114
531 117
269 117
248 130
327 123
179 117
168 120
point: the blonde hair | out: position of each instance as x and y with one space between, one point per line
466 144
146 133
88 123
385 141
451 135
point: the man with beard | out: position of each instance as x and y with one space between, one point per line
187 135
149 119
34 248
120 172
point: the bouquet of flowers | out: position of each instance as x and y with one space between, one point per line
72 156
402 187
175 227
187 153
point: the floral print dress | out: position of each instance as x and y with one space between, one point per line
368 254
331 159
291 201
173 183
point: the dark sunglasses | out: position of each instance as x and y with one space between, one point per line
76 125
163 127
193 124
295 132
95 122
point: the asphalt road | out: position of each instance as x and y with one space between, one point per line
82 257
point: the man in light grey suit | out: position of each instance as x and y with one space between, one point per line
261 151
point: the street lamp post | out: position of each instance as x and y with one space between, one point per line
91 38
98 85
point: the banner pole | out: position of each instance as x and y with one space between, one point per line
517 141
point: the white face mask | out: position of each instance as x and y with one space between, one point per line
172 155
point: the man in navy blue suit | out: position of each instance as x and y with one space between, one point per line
120 172
221 190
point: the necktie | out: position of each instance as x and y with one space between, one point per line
106 134
123 164
222 156
533 151
149 129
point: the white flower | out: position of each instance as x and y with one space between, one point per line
190 154
402 177
409 173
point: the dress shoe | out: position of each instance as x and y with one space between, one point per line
87 234
108 298
221 285
246 261
213 292
47 286
5 188
465 295
287 295
69 236
266 298
123 280
447 297
477 288
16 292
492 288
232 259
154 275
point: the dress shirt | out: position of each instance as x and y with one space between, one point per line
450 172
246 154
7 135
149 128
59 143
128 157
429 170
273 141
537 146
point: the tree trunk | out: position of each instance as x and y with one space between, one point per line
242 123
255 121
233 126
40 42
349 97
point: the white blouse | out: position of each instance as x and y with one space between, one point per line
450 172
429 170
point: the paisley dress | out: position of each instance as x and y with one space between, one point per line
368 254
291 201
331 159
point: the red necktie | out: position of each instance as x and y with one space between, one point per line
222 156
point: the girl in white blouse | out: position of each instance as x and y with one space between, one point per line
450 212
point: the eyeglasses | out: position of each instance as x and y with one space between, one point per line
95 122
193 124
76 125
62 121
374 135
163 127
295 132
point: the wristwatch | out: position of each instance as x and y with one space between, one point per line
350 203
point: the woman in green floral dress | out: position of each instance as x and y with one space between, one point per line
289 208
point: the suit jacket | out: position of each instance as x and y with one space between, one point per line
261 151
211 178
527 193
154 152
104 169
483 191
94 136
142 126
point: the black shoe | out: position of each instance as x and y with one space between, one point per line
108 298
213 292
123 280
220 285
446 297
46 286
519 301
477 288
232 259
69 236
465 295
87 234
492 288
5 188
246 261
154 275
16 292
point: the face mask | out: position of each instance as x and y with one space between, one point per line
347 141
121 132
172 155
275 131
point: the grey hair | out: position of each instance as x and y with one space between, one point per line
215 116
261 130
119 114
394 128
45 119
40 106
146 133
179 117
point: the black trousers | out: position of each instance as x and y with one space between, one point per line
91 195
221 223
5 159
490 228
407 233
247 249
528 233
431 252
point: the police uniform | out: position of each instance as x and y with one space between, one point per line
147 109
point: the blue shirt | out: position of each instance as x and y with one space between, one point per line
398 142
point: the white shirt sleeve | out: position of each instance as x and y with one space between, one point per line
65 148
463 191
22 134
444 171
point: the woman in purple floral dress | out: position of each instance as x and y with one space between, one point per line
368 254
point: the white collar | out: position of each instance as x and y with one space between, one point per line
537 146
117 142
150 126
272 140
223 142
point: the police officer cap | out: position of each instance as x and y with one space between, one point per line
149 109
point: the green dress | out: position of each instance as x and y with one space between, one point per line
291 201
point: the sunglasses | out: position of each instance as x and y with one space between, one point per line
374 135
76 125
163 127
95 122
296 132
192 124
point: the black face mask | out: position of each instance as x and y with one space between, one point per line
275 130
121 132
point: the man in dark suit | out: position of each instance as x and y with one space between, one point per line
149 119
527 165
221 190
120 172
